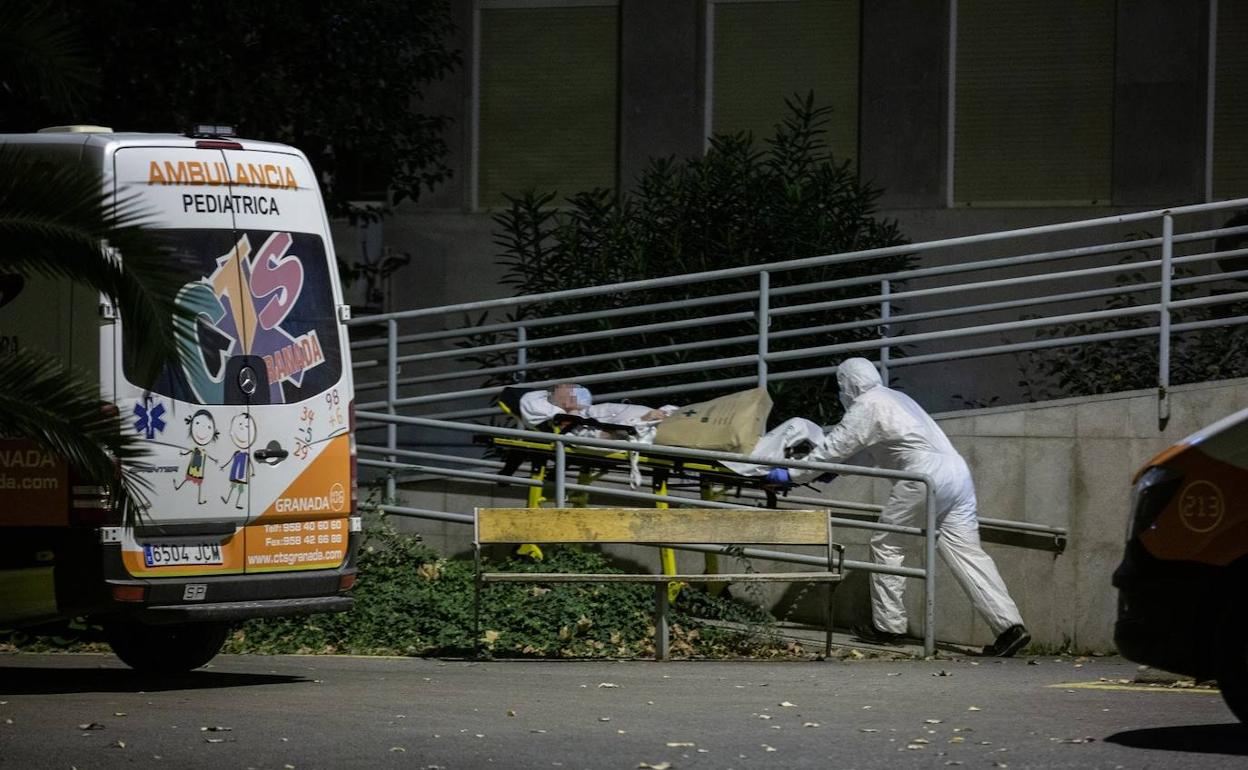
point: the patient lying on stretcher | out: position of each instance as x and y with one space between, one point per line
538 406
792 439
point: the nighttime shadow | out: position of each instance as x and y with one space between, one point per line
1202 739
54 681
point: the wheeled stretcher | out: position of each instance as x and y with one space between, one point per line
662 466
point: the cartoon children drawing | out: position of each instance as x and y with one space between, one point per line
203 431
243 434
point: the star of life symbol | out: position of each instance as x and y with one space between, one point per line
149 419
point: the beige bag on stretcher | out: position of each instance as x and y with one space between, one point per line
731 423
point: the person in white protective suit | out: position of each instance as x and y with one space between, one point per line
901 436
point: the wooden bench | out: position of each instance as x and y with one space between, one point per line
651 526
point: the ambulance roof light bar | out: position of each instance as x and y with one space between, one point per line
210 131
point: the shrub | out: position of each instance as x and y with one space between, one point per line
1129 364
737 205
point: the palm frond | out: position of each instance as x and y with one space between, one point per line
61 410
53 220
42 56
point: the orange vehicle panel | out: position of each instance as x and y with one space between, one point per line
1204 521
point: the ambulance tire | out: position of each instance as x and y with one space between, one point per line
165 649
1233 665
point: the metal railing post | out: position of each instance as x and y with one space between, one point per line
522 353
1163 328
561 482
929 569
392 395
886 312
764 324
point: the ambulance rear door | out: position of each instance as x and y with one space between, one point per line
300 473
190 416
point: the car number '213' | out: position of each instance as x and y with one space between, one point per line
178 554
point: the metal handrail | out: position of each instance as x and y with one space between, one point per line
805 262
521 346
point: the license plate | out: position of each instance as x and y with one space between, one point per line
181 554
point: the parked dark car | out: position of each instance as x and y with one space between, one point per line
1183 579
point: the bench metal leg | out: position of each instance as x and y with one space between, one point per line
476 602
660 621
827 640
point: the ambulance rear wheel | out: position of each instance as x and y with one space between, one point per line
165 649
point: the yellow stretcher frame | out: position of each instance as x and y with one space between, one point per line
592 464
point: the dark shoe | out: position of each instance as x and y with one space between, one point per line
1009 642
872 635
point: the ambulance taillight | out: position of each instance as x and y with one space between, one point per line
355 467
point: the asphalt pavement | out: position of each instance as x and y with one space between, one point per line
89 711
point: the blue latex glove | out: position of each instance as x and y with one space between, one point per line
779 476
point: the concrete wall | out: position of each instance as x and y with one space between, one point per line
1062 463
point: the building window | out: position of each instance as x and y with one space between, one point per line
1230 102
764 52
1034 95
547 90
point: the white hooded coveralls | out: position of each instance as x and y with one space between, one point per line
901 436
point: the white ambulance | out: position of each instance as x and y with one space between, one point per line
252 461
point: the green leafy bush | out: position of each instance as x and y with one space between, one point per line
1110 366
736 205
